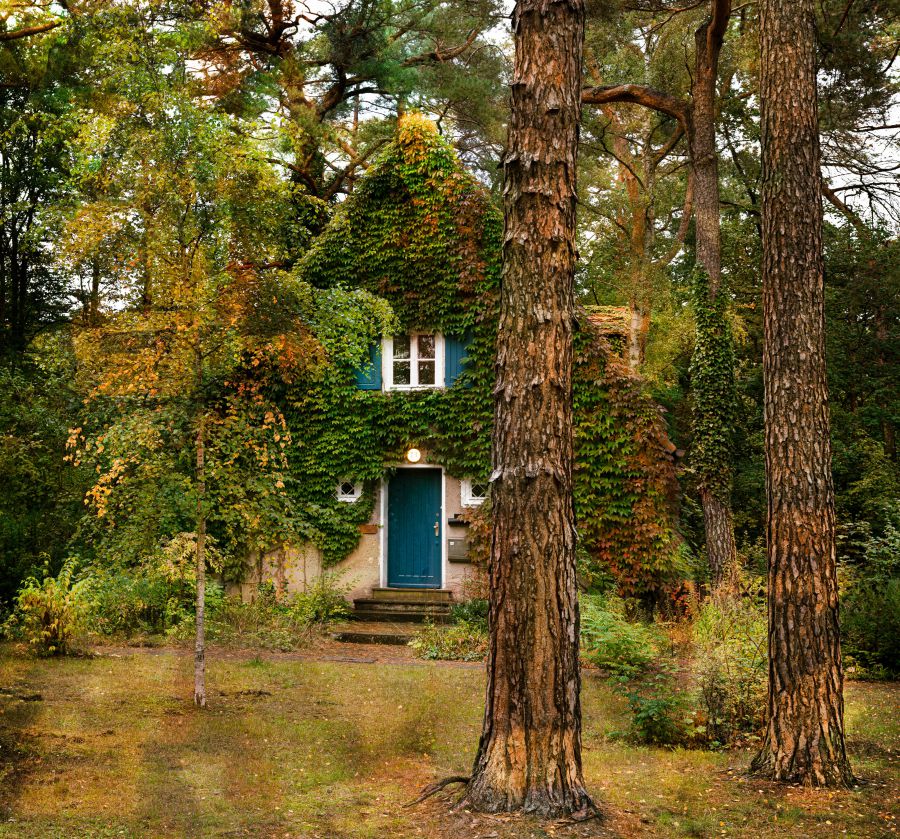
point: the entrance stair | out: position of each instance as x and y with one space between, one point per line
390 615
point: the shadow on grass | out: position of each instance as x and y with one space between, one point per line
19 749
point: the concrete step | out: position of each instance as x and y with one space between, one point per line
404 616
365 632
415 595
377 605
369 637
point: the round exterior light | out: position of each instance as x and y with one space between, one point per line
414 455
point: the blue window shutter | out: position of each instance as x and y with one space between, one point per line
369 376
455 348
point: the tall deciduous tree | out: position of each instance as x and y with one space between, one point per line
805 734
529 756
178 416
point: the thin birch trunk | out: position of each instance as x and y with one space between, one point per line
200 641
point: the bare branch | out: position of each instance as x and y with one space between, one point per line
668 146
848 212
843 19
886 127
683 228
440 55
715 33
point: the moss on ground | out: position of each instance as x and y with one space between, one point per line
332 749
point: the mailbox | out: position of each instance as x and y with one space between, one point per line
458 550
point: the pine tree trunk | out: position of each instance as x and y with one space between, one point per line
529 756
805 732
714 474
721 552
200 641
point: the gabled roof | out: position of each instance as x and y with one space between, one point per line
418 230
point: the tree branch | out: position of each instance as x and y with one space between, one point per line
843 19
715 32
637 94
668 146
686 214
442 55
28 31
848 212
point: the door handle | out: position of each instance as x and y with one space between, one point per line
437 529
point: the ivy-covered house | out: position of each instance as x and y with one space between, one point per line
391 447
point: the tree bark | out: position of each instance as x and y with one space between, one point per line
721 552
93 317
529 756
200 640
638 328
805 732
715 480
28 31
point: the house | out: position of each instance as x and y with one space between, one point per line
392 453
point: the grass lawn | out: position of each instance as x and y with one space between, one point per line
291 747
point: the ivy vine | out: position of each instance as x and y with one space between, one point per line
423 234
712 374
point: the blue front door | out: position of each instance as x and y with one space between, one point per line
414 529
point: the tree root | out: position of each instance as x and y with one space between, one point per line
589 812
433 789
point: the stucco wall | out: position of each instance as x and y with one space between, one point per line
456 573
298 567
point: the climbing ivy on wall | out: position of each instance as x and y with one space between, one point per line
423 234
626 489
418 231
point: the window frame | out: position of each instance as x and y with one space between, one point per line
467 499
387 362
346 498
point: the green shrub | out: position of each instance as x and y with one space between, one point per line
870 623
610 641
280 625
322 603
128 602
870 609
473 612
157 596
261 623
717 697
660 713
461 641
730 667
50 613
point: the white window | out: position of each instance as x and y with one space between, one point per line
413 361
349 491
473 492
